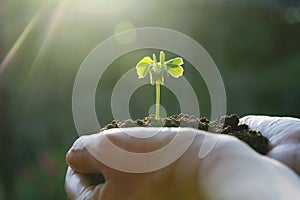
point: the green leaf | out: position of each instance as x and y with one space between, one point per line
175 71
162 57
143 67
154 59
175 62
174 67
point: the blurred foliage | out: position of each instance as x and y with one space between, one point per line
255 44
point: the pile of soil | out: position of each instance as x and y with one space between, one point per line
224 125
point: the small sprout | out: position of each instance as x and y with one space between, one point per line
156 71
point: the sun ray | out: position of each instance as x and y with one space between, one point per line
52 28
27 30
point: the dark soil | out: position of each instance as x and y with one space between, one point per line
230 126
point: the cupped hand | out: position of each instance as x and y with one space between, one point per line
283 134
232 170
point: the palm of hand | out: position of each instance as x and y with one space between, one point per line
188 178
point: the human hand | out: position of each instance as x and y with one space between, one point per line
230 171
283 134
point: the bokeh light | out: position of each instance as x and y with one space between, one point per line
123 26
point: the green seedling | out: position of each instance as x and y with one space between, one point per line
156 71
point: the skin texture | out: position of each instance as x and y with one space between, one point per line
232 170
284 136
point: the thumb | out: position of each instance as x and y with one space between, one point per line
81 160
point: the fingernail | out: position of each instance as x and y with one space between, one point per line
69 157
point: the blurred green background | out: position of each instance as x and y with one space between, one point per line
254 43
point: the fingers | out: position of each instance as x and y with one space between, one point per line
284 137
278 130
82 186
81 160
